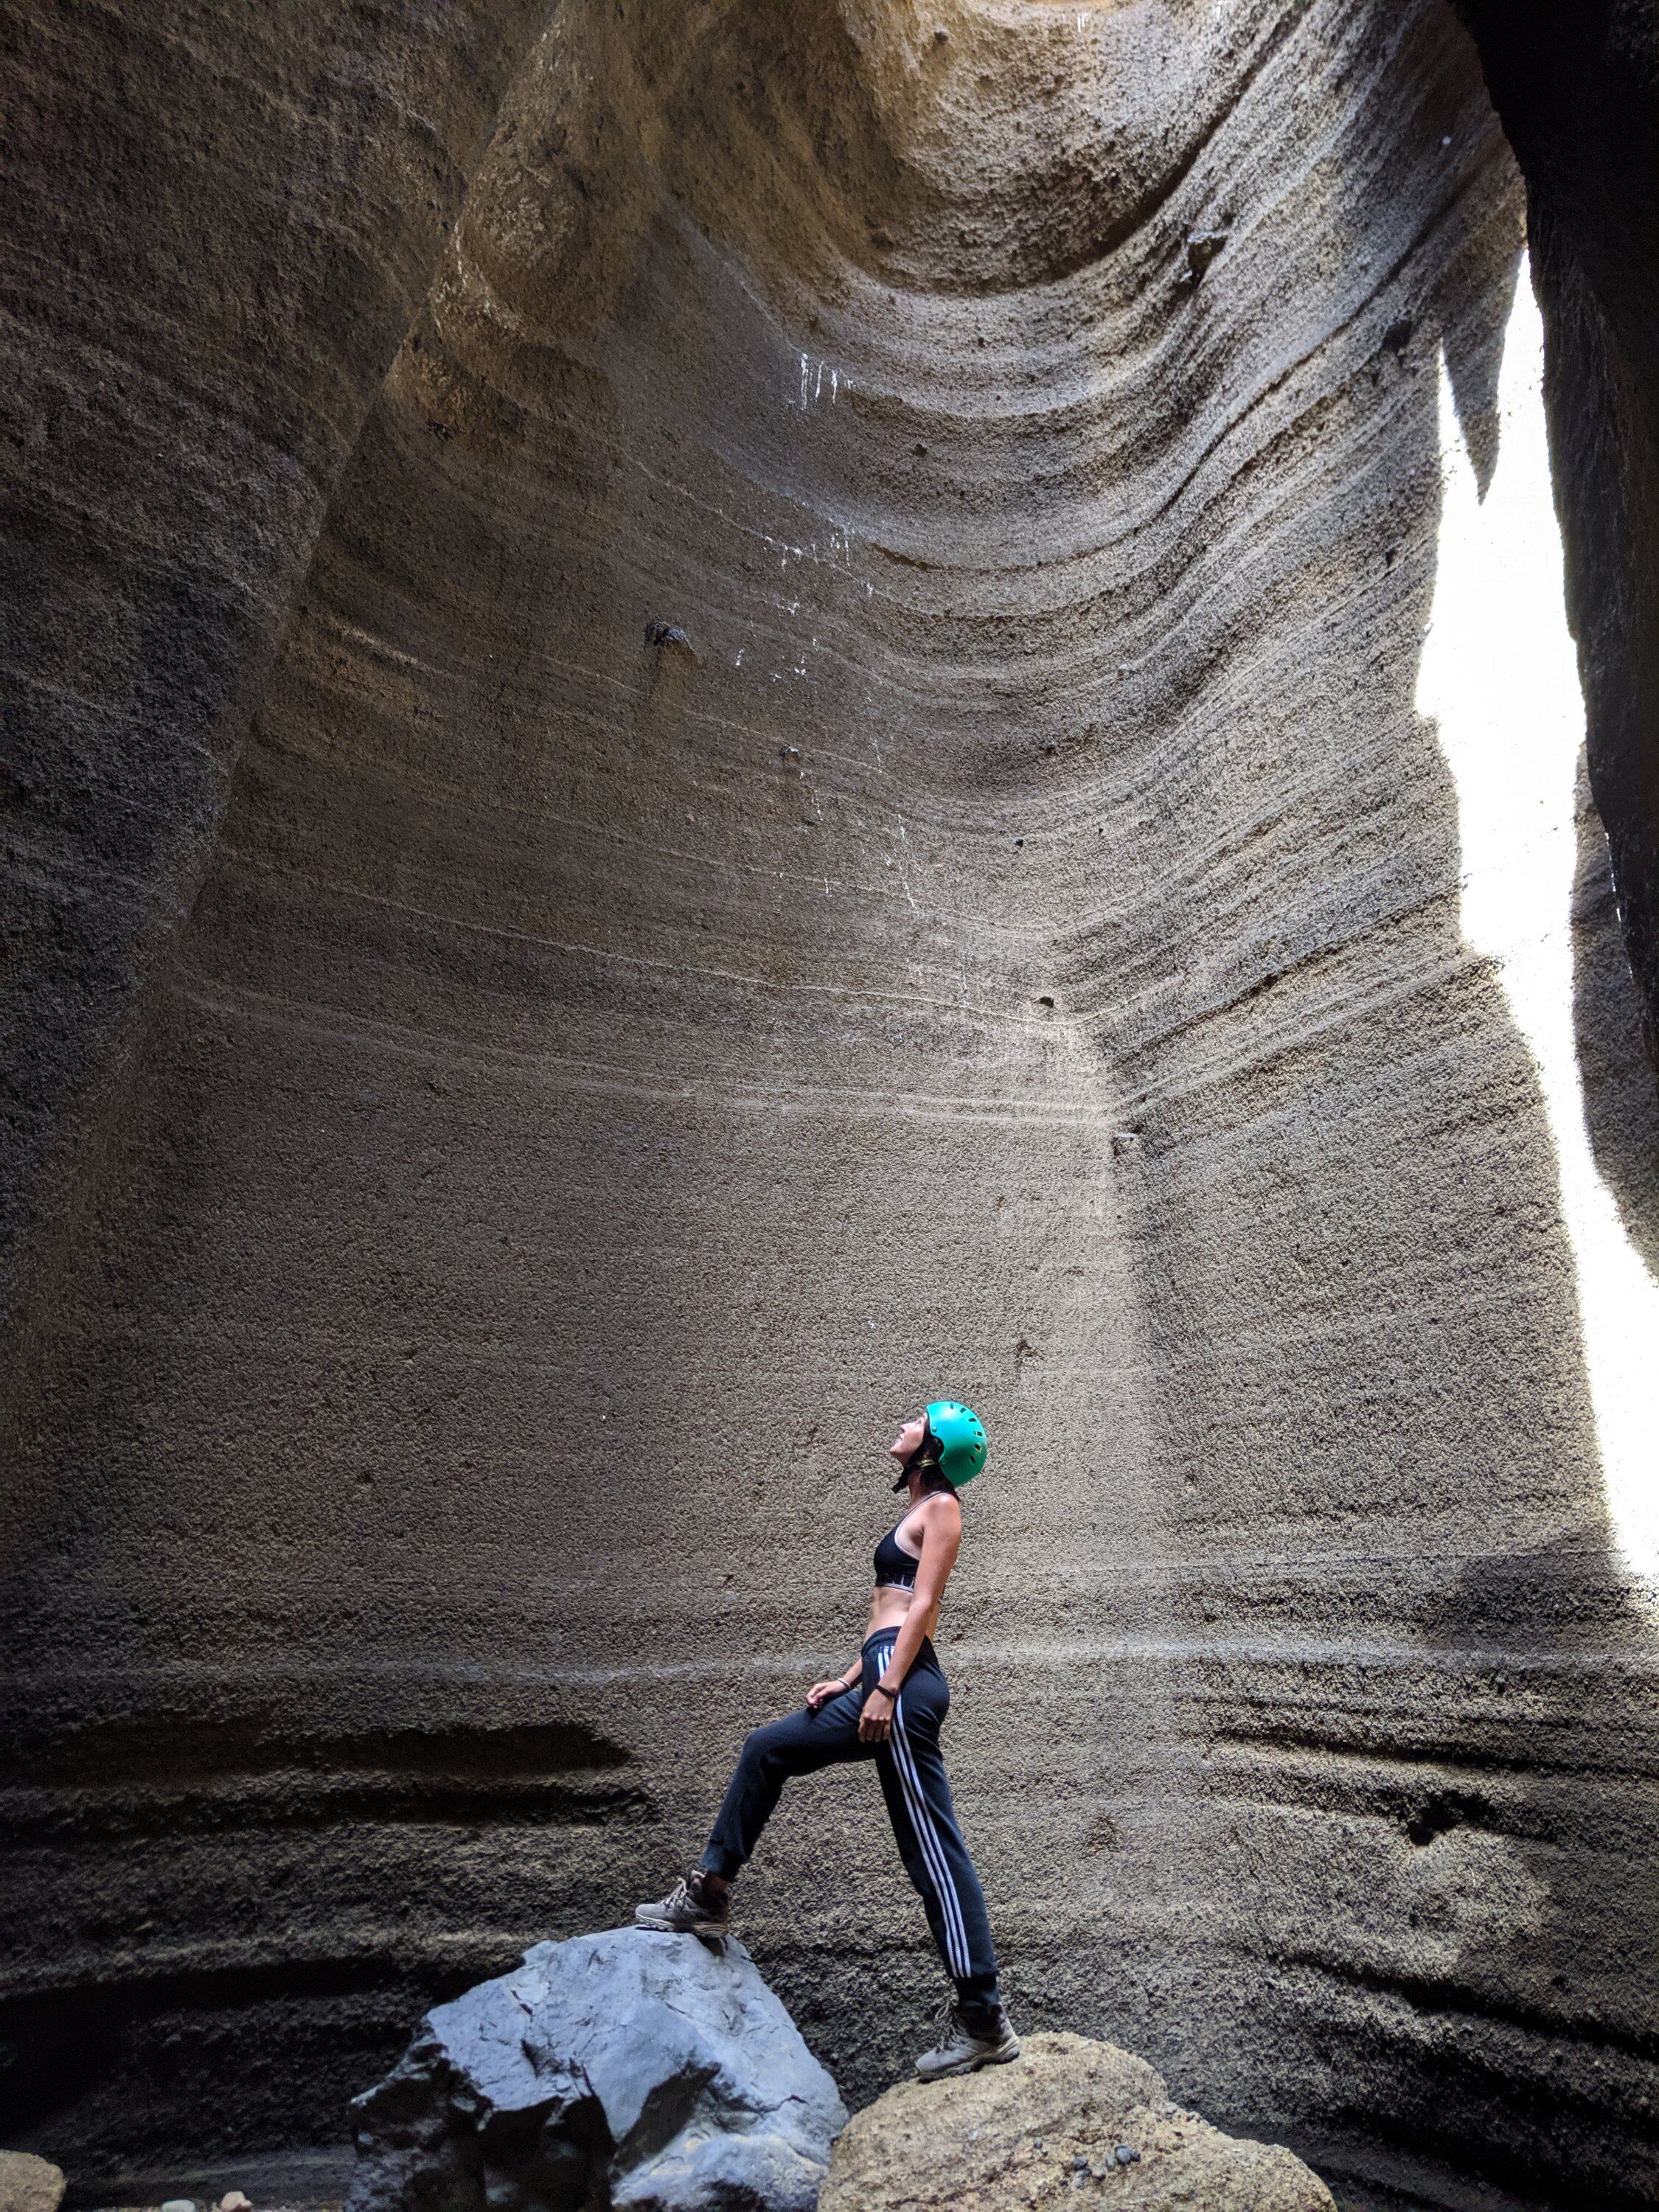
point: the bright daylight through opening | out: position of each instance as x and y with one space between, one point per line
1500 677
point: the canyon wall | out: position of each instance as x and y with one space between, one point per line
214 225
846 810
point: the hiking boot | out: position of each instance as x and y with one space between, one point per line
967 2040
690 1908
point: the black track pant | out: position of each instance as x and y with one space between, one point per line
911 1770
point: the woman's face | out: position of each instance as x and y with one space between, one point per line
909 1436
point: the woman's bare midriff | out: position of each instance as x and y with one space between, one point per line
889 1606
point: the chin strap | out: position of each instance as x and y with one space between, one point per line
927 1438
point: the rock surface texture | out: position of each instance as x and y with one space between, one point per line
1071 2122
217 222
29 2184
625 2069
722 726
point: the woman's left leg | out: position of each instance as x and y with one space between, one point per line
801 1743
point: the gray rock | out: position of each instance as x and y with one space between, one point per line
656 2072
29 2184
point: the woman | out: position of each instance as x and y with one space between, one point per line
889 1706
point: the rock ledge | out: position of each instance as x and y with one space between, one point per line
1071 2122
29 2184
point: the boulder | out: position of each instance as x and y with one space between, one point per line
29 2184
1071 2122
637 2071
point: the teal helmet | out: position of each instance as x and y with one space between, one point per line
960 1435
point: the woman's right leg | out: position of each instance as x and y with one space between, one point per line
800 1744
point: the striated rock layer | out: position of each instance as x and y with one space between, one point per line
842 813
214 224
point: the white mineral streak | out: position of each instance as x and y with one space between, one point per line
1500 677
816 379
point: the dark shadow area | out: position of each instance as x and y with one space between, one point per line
158 1752
1621 1103
1567 1730
242 2063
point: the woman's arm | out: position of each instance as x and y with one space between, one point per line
941 1540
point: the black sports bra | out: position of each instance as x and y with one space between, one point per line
895 1568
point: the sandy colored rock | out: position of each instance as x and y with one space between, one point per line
1051 2128
29 2184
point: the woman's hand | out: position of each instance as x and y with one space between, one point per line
876 1721
821 1693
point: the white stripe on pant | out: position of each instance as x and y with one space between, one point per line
929 1836
921 1820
